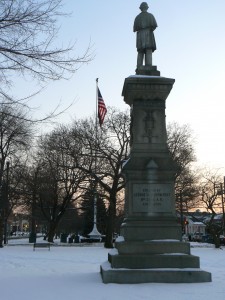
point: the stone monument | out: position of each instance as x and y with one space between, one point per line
150 248
144 25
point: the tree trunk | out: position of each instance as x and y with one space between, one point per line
1 232
52 231
216 240
110 226
5 230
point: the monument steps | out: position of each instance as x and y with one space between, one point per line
161 275
145 261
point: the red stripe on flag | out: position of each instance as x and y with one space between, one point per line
101 108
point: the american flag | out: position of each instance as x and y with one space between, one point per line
101 108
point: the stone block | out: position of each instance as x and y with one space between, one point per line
152 247
125 276
146 261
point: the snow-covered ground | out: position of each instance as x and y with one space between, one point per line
73 273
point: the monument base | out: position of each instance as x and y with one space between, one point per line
148 70
165 261
189 275
150 249
151 228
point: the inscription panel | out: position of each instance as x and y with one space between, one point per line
152 197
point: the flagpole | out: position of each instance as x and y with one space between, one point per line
96 114
100 114
94 233
96 123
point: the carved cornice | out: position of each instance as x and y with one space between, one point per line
146 88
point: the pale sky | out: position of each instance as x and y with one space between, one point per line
190 41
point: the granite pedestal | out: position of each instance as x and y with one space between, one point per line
150 248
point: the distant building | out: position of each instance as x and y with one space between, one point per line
192 227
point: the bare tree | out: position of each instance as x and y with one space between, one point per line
102 157
15 134
15 137
29 48
210 200
59 181
181 145
187 190
28 29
